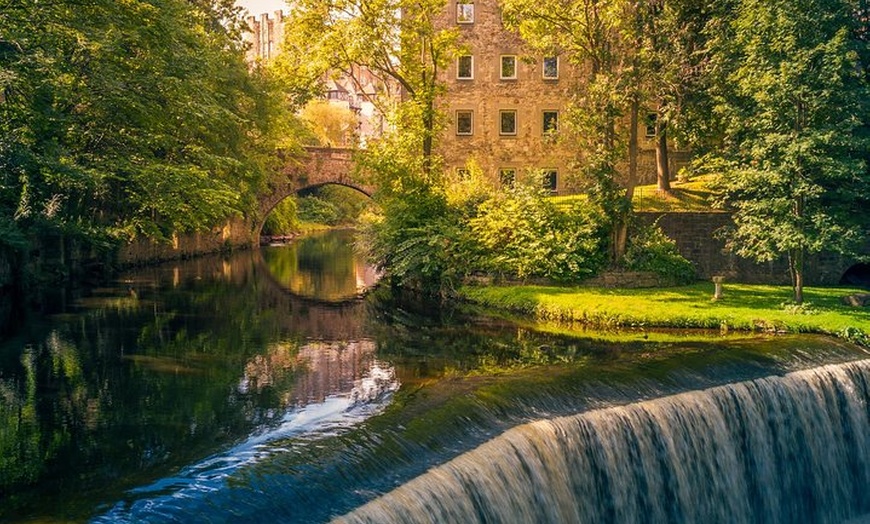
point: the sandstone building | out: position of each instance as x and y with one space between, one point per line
505 105
264 36
357 93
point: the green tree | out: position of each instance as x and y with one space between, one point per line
130 118
634 56
603 39
333 125
793 100
395 40
673 48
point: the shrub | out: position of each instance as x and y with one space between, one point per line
318 210
523 234
649 249
282 220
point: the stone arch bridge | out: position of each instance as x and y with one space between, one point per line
319 166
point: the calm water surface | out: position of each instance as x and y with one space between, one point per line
261 388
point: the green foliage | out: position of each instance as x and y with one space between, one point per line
431 237
855 335
523 234
319 210
794 104
283 220
397 40
649 249
12 239
418 239
331 124
131 118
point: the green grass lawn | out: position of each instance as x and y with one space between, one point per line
743 307
693 195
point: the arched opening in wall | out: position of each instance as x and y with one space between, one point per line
315 207
310 249
857 275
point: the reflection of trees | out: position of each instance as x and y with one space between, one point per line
322 266
19 433
147 379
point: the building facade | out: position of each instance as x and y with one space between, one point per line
264 36
356 92
506 104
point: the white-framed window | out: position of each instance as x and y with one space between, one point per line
464 122
550 179
507 176
465 67
464 12
507 122
550 68
508 67
550 122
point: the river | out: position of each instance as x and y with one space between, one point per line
267 386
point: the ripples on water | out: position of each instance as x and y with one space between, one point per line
774 450
178 497
216 393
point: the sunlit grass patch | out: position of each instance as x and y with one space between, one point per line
690 196
743 307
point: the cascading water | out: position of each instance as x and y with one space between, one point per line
783 449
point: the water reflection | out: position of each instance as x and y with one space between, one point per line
321 266
205 390
139 380
333 397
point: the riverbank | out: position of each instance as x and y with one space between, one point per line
743 307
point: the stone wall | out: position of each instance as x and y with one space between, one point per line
235 233
696 236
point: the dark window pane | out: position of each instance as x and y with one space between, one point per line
551 67
465 67
508 67
508 123
551 122
464 122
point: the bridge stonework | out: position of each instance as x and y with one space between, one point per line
319 166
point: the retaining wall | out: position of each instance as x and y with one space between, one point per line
697 238
235 233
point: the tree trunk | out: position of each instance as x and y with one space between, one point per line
799 276
631 180
620 233
429 125
663 169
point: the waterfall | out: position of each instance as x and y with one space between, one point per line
781 449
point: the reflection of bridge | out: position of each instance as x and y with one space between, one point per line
318 167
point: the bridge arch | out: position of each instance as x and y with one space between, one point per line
317 167
857 275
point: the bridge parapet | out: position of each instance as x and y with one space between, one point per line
319 166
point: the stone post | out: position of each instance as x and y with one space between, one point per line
717 292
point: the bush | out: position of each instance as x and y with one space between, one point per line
318 210
523 234
419 239
649 249
282 220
